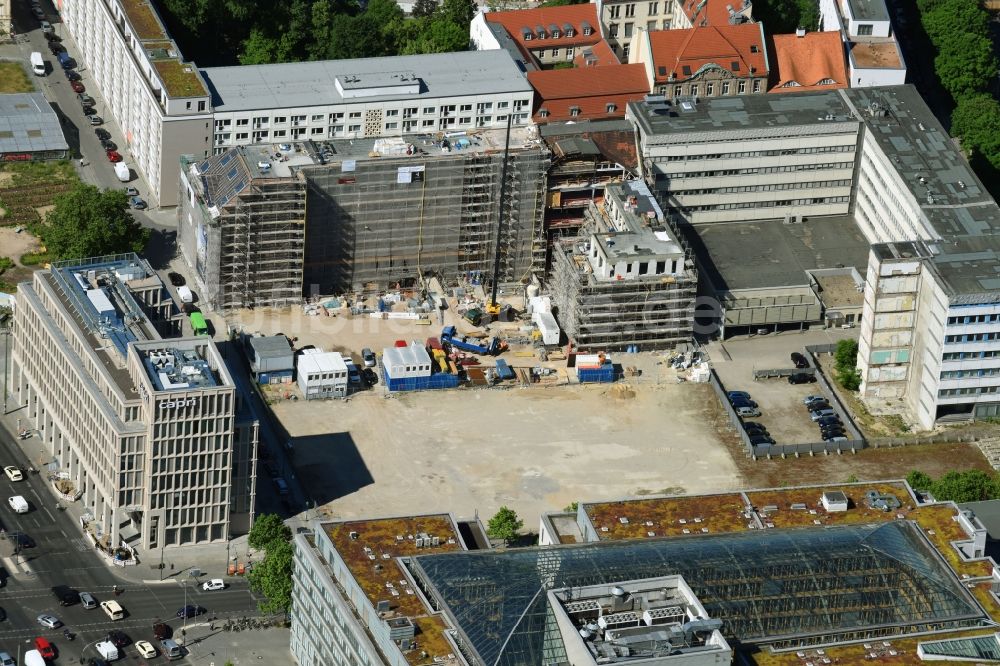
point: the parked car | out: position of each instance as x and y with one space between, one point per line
102 134
817 414
162 630
13 473
87 600
799 360
113 156
55 48
65 596
53 37
24 541
89 111
744 412
118 638
137 203
370 377
176 279
108 144
146 649
49 621
813 398
214 584
839 438
96 120
813 406
732 395
6 660
742 402
757 440
801 378
189 611
86 99
77 86
368 356
754 428
45 648
71 75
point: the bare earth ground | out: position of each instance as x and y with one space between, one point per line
14 245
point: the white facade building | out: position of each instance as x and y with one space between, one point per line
159 101
873 54
322 375
372 97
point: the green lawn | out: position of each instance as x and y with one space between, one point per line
14 78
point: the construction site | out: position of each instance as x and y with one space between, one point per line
241 227
388 211
626 282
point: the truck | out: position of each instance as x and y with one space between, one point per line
184 293
123 172
198 324
33 658
449 335
37 64
107 650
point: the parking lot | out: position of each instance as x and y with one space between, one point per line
780 403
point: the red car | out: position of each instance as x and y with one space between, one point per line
45 648
77 86
113 156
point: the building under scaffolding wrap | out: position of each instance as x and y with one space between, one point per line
241 227
627 279
385 211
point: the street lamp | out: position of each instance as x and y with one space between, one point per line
27 641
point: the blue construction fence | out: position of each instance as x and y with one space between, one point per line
603 374
439 380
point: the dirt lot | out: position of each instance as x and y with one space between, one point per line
533 449
13 245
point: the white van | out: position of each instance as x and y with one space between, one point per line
18 503
107 650
37 64
113 609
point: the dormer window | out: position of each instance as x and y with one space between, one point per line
574 111
587 30
526 34
543 113
754 49
555 34
540 32
610 108
568 29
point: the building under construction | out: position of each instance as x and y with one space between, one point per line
386 211
242 228
627 279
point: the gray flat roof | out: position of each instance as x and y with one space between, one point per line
28 124
770 254
868 10
657 116
962 213
306 84
271 346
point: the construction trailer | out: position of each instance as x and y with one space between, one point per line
387 211
629 281
242 228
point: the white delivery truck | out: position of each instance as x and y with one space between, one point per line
185 294
107 650
123 172
33 658
37 64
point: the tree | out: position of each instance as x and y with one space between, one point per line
273 578
919 481
422 8
976 123
355 37
459 12
971 486
89 222
845 361
267 529
965 63
504 525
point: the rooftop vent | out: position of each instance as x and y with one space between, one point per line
800 32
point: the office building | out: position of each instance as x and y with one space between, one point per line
693 580
626 279
159 101
151 430
873 54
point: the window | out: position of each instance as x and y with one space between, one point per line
427 123
613 30
242 122
650 25
864 28
409 112
465 107
610 107
756 85
503 105
615 12
555 53
544 113
709 89
392 113
630 10
754 49
280 120
317 118
391 126
354 115
587 31
555 34
741 87
725 87
280 133
242 136
465 120
625 52
654 8
354 128
574 111
428 110
693 90
201 106
188 105
677 91
528 37
628 29
316 130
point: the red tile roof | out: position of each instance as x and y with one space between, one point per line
576 16
807 61
601 54
735 48
710 12
590 89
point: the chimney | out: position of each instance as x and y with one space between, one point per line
800 32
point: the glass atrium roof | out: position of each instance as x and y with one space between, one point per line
792 587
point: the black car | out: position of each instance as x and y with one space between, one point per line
829 420
85 99
102 134
71 75
742 402
118 638
757 440
89 111
108 144
754 428
801 378
813 406
799 360
65 595
162 630
23 540
56 48
189 611
176 279
53 37
370 377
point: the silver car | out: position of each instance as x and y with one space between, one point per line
50 621
87 600
5 660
